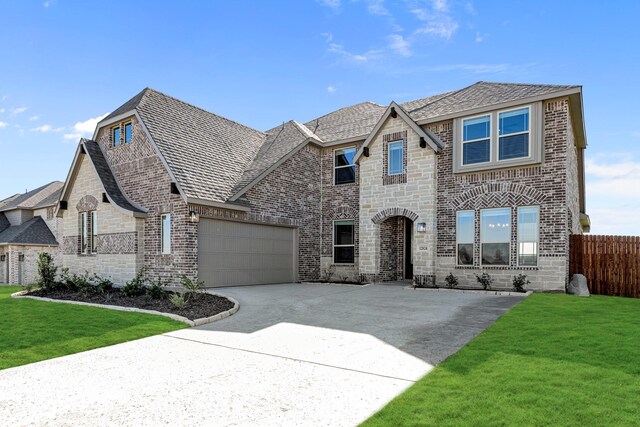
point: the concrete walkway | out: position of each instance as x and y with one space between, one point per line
292 355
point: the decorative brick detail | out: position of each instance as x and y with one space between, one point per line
233 215
70 245
343 212
391 212
87 203
392 248
118 243
497 194
398 178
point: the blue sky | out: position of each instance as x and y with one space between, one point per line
66 63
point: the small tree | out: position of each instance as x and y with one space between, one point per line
519 282
451 281
46 271
485 280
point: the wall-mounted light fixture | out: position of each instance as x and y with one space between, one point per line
365 151
423 143
194 216
421 227
393 113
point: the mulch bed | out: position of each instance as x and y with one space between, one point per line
198 305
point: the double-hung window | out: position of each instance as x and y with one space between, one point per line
513 130
344 169
528 236
94 231
165 234
465 232
495 236
343 242
128 133
396 158
476 140
84 232
115 135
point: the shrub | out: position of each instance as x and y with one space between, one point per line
135 287
451 281
102 285
156 290
178 301
519 282
80 282
194 286
485 280
28 287
46 271
325 275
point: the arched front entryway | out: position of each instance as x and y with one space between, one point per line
396 231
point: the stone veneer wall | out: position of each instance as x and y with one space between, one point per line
544 185
338 202
146 182
29 265
119 254
381 199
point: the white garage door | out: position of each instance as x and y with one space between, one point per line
236 253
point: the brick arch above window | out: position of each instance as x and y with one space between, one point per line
496 195
342 212
389 212
87 203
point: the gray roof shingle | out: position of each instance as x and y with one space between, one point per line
346 123
44 196
32 232
4 222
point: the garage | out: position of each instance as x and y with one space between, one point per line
237 253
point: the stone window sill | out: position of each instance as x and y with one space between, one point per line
496 267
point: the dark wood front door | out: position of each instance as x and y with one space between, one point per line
408 258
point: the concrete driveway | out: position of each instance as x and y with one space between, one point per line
296 354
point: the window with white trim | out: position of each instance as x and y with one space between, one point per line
84 232
495 236
94 231
165 233
343 242
528 235
344 169
465 233
396 157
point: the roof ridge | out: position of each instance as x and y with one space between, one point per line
202 109
525 84
444 96
344 108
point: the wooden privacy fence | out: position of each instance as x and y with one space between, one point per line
611 264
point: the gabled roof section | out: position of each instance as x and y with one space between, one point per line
110 185
430 138
127 107
478 95
41 197
347 123
280 144
4 222
33 232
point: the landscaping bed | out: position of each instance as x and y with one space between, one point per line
198 305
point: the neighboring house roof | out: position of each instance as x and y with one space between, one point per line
4 222
205 153
32 232
347 123
41 197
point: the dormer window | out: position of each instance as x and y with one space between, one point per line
115 135
128 133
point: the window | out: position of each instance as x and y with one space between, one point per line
495 236
514 134
115 133
344 168
165 233
465 232
94 232
128 133
343 242
396 157
528 225
498 139
476 140
84 232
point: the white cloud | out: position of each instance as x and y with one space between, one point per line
84 129
400 45
19 110
440 5
353 57
479 37
442 26
33 118
3 124
328 37
46 129
471 10
331 89
333 4
2 110
376 7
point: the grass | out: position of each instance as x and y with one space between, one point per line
553 360
31 330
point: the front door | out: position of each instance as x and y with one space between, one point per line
408 256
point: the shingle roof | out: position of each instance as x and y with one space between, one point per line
106 176
44 196
345 123
279 142
206 153
481 94
33 232
4 222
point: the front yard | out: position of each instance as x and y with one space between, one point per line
31 331
552 360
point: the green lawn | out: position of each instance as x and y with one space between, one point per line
553 360
31 330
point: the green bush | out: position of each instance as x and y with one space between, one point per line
485 280
451 281
519 282
136 286
102 285
194 286
156 290
47 270
178 301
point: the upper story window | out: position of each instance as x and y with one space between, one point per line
344 170
128 133
165 234
502 138
115 135
396 157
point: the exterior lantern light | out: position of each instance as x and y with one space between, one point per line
422 227
194 216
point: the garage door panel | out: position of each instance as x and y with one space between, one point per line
235 253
